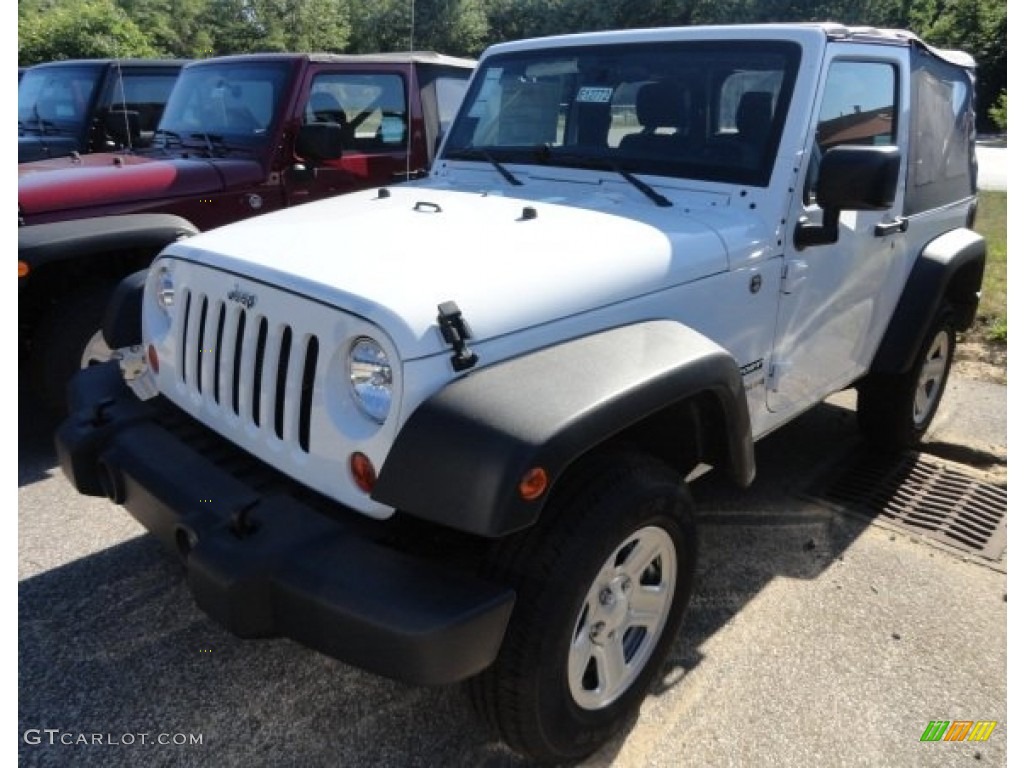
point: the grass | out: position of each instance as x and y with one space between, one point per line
991 223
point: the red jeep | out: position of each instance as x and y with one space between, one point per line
241 135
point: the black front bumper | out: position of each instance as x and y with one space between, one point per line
267 564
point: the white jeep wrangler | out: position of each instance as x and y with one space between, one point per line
442 430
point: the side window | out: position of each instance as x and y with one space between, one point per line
942 163
858 107
450 91
371 108
143 93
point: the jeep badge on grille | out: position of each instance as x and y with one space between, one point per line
247 300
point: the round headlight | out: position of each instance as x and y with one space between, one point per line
369 373
165 289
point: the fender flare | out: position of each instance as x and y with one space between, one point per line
122 321
40 244
949 270
459 458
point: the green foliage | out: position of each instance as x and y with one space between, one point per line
51 29
384 25
299 25
75 29
991 223
175 27
455 27
975 26
998 112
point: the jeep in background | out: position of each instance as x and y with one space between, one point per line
241 135
443 431
91 105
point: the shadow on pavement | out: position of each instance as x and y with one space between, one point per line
113 644
36 456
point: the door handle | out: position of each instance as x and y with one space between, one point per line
900 224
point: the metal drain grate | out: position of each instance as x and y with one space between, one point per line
923 495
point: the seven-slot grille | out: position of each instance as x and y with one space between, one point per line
242 362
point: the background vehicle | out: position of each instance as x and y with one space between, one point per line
466 458
241 135
91 105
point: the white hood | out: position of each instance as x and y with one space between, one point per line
393 259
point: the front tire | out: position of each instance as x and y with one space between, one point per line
602 582
67 340
895 411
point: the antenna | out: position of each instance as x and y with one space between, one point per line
408 92
412 24
124 99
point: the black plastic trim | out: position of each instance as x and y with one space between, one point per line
948 271
122 322
459 458
269 564
40 244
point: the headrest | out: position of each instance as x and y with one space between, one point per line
754 113
661 104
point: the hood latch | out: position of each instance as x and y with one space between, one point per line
455 331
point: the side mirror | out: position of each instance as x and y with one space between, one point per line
123 125
320 141
851 178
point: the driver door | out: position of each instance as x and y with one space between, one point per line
372 110
837 298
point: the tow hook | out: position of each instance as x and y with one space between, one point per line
99 415
241 525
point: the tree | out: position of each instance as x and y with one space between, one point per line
174 27
76 29
301 25
998 112
975 26
458 27
384 25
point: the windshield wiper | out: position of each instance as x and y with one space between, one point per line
546 156
659 199
206 138
469 153
42 125
167 135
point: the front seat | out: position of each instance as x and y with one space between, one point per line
753 123
659 104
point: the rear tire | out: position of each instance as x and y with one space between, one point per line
895 411
67 340
602 582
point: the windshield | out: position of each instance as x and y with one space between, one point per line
55 99
223 104
706 111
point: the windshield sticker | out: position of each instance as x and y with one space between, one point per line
594 95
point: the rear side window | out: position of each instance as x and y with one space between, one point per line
943 168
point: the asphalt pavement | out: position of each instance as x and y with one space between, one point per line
815 638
